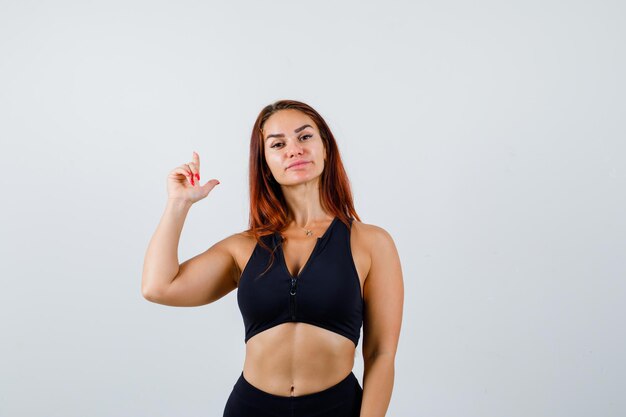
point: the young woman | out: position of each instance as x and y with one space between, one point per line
308 275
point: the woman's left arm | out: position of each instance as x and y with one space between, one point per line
383 293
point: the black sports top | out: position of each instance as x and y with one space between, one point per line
326 293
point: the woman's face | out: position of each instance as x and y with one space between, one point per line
291 136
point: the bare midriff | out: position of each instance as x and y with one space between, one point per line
294 359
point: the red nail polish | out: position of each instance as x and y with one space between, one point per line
198 177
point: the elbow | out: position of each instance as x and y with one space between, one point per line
145 293
149 294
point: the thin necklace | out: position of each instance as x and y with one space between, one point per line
308 231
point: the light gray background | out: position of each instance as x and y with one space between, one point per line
487 137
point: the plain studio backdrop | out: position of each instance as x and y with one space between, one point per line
486 137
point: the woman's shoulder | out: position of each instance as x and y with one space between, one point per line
243 239
371 236
240 245
370 231
238 242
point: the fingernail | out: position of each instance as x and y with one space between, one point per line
198 176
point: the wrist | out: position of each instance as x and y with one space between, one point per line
178 203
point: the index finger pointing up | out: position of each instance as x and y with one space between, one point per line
196 159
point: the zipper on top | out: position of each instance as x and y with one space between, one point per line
292 298
292 291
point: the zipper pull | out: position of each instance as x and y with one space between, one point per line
293 286
292 299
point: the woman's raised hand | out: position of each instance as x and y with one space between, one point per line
183 182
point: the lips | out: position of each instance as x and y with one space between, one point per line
297 164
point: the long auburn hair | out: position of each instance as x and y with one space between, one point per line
268 209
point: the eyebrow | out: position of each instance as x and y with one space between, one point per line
280 135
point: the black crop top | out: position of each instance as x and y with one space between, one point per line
326 293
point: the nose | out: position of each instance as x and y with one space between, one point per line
295 148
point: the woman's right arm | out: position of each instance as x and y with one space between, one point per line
201 279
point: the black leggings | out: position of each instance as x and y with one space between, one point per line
341 400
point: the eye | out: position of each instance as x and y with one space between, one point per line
301 137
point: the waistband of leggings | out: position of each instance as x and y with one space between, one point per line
333 394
